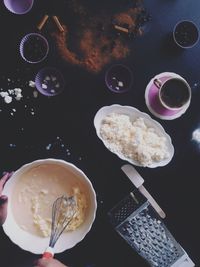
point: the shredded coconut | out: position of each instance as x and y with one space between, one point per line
133 139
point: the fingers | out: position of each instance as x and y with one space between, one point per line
3 209
49 263
4 179
42 263
4 199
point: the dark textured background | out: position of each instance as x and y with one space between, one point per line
70 117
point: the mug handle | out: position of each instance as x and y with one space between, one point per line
158 83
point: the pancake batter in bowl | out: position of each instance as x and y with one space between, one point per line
35 192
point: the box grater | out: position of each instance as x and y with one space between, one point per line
139 224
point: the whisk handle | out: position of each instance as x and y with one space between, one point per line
48 254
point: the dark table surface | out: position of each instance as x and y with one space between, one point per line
66 122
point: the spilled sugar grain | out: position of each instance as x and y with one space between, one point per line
55 148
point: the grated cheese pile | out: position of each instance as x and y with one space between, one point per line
133 139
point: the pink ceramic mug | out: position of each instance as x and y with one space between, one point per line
174 93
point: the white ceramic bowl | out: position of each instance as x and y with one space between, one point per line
67 240
134 113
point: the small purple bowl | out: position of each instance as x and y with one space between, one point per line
19 7
186 34
34 48
119 78
49 81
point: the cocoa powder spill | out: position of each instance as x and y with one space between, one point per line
97 45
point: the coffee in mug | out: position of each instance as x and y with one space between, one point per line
174 93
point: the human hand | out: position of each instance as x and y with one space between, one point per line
49 263
3 198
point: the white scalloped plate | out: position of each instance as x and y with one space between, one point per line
67 240
133 113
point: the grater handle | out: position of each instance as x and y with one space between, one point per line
137 180
184 261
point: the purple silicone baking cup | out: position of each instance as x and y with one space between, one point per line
47 86
119 78
37 37
19 7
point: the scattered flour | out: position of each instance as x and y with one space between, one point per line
133 139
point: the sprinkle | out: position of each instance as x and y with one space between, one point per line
18 96
57 85
12 145
11 91
48 146
35 94
44 86
53 78
47 78
120 84
17 90
8 99
117 88
31 84
3 94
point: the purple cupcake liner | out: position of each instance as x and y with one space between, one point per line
34 48
19 7
119 78
49 81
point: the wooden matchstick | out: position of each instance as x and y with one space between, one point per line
121 29
42 22
58 24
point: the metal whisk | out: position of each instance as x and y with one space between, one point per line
63 211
